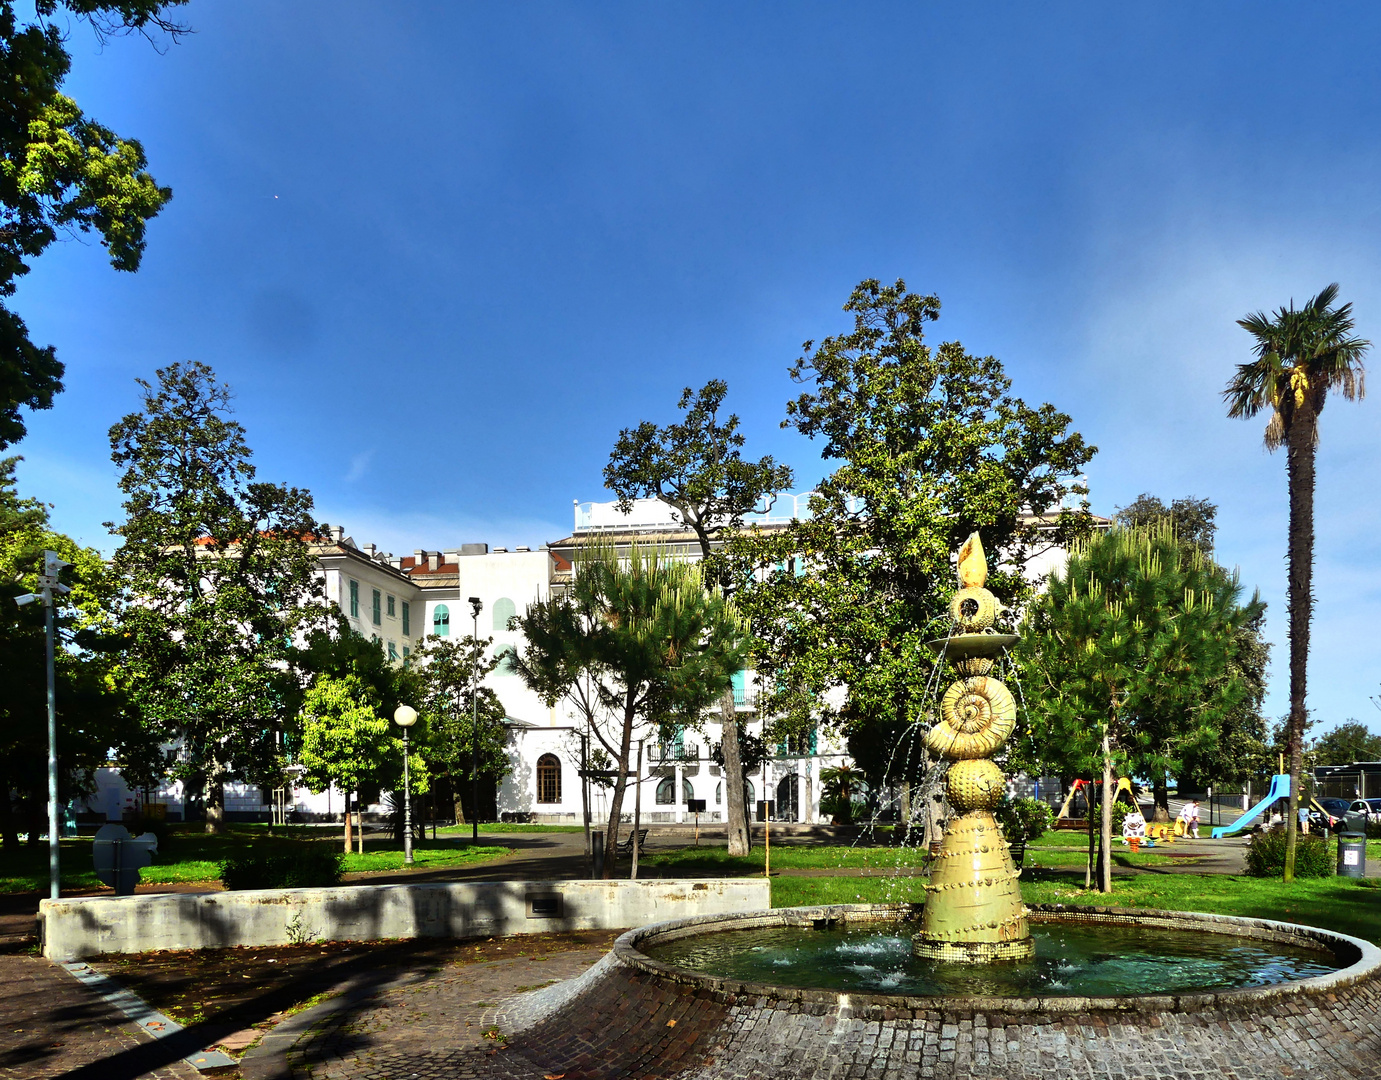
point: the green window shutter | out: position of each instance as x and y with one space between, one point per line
739 682
407 620
391 611
354 599
441 620
392 651
375 609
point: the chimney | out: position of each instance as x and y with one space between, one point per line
433 558
417 556
370 549
337 533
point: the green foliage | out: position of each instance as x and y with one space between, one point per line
1134 639
1346 743
1024 819
1266 855
343 736
93 712
840 787
306 866
60 173
637 641
1191 518
219 574
930 446
447 673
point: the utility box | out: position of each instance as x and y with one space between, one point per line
118 857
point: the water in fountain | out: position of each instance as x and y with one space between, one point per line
1070 960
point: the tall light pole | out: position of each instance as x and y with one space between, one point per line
475 608
405 716
48 585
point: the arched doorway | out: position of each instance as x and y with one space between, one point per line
788 798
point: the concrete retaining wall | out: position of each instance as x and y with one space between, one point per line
90 926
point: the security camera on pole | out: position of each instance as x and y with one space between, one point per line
48 585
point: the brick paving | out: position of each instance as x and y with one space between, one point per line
54 1026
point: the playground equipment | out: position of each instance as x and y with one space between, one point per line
1064 821
1279 789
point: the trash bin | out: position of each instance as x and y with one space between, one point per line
1352 854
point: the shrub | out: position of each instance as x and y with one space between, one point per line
304 867
1266 855
1024 819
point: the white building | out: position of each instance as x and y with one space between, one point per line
398 600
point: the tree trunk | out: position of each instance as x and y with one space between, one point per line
1299 469
359 822
1088 810
735 797
215 801
459 807
1161 795
1105 828
8 830
611 835
349 818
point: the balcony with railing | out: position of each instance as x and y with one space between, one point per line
673 752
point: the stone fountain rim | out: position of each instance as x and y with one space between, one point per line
1364 957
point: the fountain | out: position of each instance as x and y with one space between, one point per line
971 983
973 911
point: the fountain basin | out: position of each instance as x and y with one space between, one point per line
654 1018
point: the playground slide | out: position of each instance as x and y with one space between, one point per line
1280 789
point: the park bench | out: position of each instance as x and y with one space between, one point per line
626 846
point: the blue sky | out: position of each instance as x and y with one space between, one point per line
444 252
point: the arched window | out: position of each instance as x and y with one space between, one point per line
750 795
687 790
504 610
719 793
441 620
788 791
548 779
666 792
505 654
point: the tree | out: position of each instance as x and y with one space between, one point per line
1301 354
344 739
1346 743
1127 657
642 639
696 468
219 577
61 172
931 446
1240 749
94 720
448 704
1191 518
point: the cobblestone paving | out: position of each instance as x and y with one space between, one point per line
53 1024
615 1023
433 1024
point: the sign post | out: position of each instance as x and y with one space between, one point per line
695 806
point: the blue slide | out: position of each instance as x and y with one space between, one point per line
1280 789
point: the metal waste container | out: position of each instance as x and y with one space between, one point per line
1352 854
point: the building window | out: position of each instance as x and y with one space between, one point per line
504 610
375 613
719 793
441 620
666 792
407 619
750 795
548 779
374 640
354 599
687 790
391 612
406 652
392 650
506 655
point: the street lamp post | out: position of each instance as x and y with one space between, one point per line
475 607
49 587
405 716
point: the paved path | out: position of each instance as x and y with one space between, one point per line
56 1028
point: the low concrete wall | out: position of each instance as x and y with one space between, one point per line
90 926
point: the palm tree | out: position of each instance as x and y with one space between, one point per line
1300 356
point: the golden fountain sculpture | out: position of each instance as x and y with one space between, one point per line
973 911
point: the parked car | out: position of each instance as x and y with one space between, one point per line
1370 807
1334 808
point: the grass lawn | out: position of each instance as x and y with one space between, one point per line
717 862
504 827
196 856
1343 904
